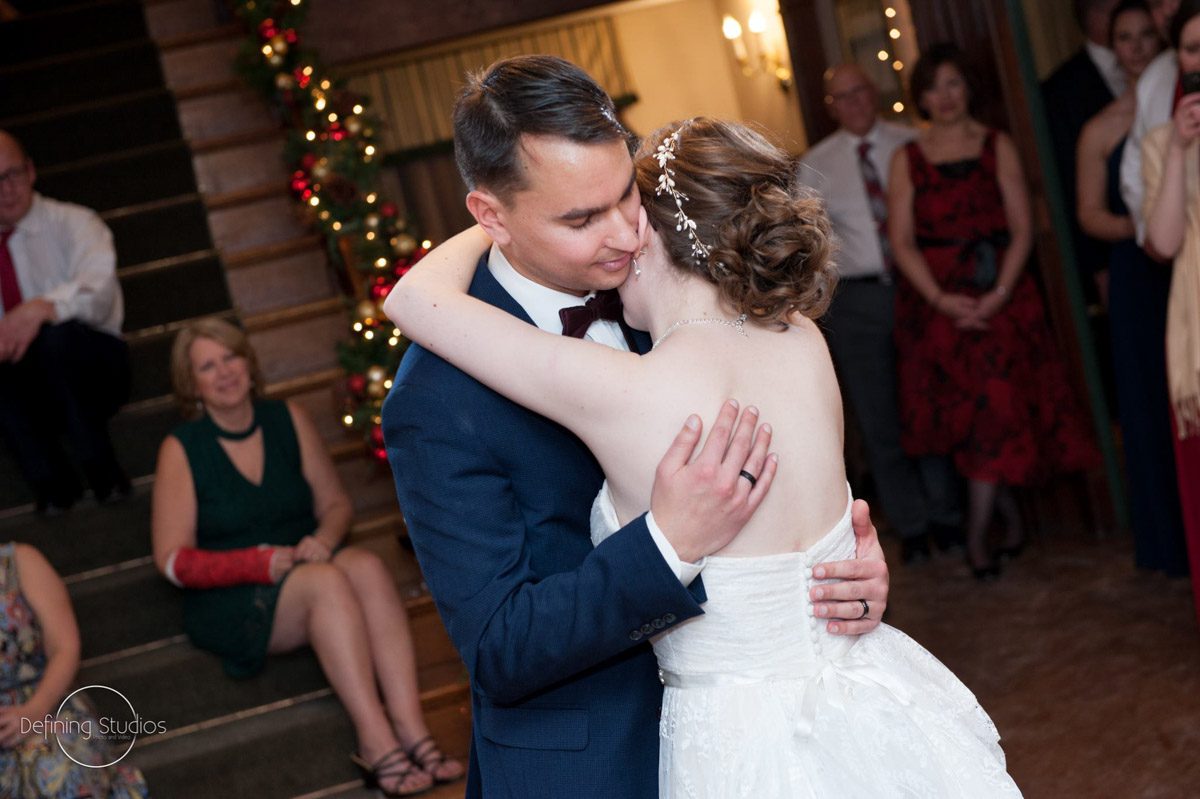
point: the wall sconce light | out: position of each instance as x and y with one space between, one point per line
763 60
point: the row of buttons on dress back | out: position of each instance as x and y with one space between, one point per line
651 627
806 585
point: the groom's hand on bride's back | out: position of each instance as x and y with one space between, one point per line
701 504
864 579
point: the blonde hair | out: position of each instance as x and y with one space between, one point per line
214 329
769 241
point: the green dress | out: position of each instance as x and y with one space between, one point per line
232 513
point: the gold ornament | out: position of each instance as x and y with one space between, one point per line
371 221
376 390
320 170
376 374
284 81
405 244
365 310
275 60
353 125
278 43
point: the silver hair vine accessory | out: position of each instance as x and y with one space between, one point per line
665 154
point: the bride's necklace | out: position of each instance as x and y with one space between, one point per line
738 324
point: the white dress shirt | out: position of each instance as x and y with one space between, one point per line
832 169
64 253
1155 98
1106 64
543 303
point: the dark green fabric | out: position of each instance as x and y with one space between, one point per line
233 513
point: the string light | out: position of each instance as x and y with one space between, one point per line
358 109
883 55
898 107
311 135
889 12
895 34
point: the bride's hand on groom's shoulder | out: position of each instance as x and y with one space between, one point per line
863 581
701 504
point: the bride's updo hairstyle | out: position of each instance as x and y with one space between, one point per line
765 241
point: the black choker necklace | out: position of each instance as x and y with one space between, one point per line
230 435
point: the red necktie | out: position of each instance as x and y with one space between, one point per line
10 289
877 200
578 318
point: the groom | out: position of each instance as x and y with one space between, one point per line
565 690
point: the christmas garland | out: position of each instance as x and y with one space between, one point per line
335 178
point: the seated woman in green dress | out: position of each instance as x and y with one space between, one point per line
39 655
248 517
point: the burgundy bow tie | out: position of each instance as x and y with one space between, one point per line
578 318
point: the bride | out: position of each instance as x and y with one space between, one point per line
760 701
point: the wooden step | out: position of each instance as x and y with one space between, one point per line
302 345
273 221
240 168
201 68
282 751
223 114
175 22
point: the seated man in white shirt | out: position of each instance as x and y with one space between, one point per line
64 369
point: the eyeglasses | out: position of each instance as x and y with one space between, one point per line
9 176
849 94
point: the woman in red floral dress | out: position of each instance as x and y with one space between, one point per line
979 373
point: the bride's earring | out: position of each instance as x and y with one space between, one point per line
637 270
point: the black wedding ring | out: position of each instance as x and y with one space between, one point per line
753 480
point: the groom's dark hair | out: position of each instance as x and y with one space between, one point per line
535 94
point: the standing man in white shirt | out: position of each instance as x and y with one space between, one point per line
64 369
849 169
1157 90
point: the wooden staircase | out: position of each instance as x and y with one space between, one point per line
134 109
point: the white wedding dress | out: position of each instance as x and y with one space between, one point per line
761 702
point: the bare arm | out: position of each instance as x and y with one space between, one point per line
1166 181
1091 189
331 504
1015 196
173 503
47 596
571 381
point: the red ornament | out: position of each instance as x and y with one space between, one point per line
357 384
307 161
267 29
302 80
380 290
380 454
388 209
376 436
291 36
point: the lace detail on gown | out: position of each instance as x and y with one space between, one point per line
762 702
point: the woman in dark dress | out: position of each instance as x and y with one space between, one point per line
249 518
1137 308
979 373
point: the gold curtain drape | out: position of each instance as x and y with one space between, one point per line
415 92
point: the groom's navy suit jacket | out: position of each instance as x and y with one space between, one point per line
564 687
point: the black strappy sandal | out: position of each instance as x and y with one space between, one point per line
426 755
395 764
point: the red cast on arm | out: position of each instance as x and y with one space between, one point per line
189 567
